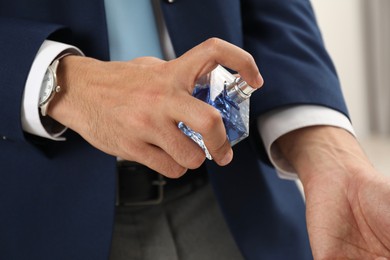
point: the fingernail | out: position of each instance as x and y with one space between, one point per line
228 157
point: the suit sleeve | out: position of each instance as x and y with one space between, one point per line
286 43
20 42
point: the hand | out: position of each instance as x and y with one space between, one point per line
347 200
131 109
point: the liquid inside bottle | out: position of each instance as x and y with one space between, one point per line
230 96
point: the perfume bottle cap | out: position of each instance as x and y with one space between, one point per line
243 88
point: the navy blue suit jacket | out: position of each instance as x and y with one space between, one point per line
57 198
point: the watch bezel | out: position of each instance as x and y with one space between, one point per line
54 88
47 88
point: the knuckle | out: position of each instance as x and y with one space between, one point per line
248 58
221 150
141 122
132 152
175 171
210 121
196 160
213 44
140 60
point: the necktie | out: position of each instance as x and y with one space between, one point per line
132 29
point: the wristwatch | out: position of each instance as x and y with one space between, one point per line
49 86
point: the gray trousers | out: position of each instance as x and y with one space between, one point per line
187 225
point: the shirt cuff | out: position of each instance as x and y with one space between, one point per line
278 122
31 120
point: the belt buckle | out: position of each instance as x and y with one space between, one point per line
157 184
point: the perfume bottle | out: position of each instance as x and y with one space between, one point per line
230 96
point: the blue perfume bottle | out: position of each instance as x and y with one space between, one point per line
230 96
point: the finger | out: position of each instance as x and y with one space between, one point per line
207 121
157 159
163 132
181 148
206 56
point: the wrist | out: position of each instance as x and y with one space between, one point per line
32 120
71 76
323 151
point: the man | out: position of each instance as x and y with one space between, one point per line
58 197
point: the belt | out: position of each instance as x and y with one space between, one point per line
138 185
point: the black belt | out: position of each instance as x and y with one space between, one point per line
139 185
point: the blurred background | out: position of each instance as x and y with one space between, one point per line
357 36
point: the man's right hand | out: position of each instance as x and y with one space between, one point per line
131 109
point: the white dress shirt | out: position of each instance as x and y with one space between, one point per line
271 125
31 120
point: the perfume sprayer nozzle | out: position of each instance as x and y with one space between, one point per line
243 87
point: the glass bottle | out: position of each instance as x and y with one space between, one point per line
230 96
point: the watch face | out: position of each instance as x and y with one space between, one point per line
47 87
